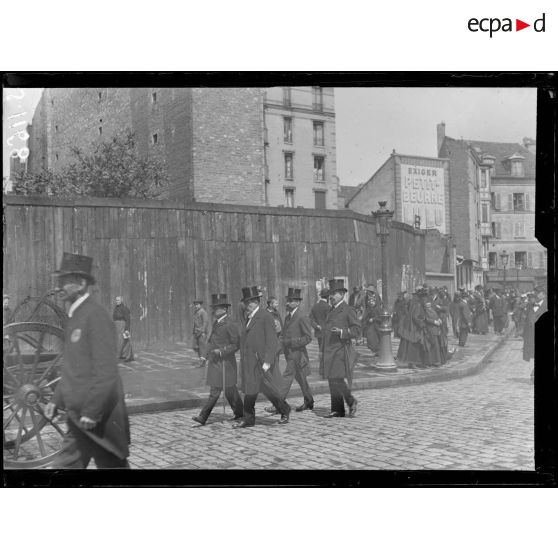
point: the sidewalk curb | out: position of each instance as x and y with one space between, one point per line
436 375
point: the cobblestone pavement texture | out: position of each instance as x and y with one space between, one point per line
480 422
167 378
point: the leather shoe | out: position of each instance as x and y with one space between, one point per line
334 414
304 407
353 408
271 409
234 418
285 418
199 420
242 424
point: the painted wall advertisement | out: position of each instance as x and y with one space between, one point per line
422 194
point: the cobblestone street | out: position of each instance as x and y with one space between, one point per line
481 422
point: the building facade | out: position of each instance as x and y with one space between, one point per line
300 147
416 189
248 146
493 211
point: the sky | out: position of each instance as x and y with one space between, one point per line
372 122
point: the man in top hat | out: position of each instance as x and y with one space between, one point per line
342 325
318 315
90 388
297 333
200 330
222 345
258 348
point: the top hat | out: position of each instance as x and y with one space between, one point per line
219 300
76 264
293 294
337 285
249 293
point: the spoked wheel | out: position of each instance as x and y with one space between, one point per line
32 362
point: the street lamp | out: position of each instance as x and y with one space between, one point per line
505 257
383 218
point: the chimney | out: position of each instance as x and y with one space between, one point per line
530 144
441 134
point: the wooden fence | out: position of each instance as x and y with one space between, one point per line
160 255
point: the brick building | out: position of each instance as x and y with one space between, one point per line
210 140
229 145
300 147
492 207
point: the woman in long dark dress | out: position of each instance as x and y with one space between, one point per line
411 332
480 321
432 330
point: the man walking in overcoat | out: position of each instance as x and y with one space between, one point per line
318 315
90 388
201 329
497 305
464 319
222 345
342 325
258 349
297 333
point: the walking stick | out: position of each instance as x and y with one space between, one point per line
223 365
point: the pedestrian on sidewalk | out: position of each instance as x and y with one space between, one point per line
411 346
441 304
369 320
121 318
480 313
200 330
258 349
497 305
464 318
432 331
318 315
90 388
342 325
398 312
297 333
222 345
519 311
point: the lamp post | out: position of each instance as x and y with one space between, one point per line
383 218
505 257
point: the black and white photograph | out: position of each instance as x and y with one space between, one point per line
285 276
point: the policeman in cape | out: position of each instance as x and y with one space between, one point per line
219 355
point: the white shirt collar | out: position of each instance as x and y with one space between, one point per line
221 318
293 311
338 303
74 306
251 315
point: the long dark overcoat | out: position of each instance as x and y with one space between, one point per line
337 352
297 333
258 344
318 315
90 384
225 337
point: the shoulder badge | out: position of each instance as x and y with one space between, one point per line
76 335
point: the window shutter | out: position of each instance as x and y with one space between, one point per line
498 230
510 202
527 203
529 259
498 202
516 230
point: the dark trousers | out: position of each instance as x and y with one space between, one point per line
232 395
463 334
271 392
200 343
499 323
339 392
78 449
293 372
321 355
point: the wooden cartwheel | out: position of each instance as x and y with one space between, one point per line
32 360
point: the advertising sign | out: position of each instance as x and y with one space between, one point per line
422 194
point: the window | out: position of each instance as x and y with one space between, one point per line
519 230
288 130
492 261
317 99
517 168
100 130
318 133
496 229
289 166
154 97
484 213
495 200
319 171
289 197
287 96
484 178
518 202
320 200
520 259
154 139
